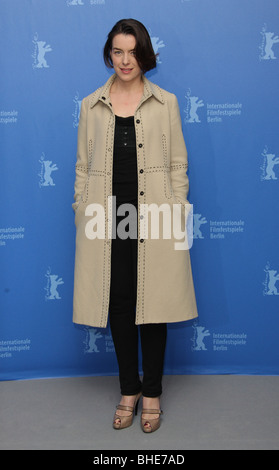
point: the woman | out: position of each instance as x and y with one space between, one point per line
131 148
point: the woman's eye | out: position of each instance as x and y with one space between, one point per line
119 53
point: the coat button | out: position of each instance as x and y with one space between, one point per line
140 146
141 240
141 170
138 121
141 193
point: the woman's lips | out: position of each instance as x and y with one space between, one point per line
126 70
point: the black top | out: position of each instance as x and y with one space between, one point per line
125 175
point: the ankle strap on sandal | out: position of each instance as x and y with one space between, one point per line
151 411
124 408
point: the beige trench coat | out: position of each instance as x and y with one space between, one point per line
165 291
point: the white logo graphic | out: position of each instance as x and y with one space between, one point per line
100 227
40 49
74 2
8 117
199 334
92 335
47 167
218 229
11 234
271 278
268 41
270 160
215 112
157 44
10 347
193 104
220 342
71 3
52 283
198 221
76 112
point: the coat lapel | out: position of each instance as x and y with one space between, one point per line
102 94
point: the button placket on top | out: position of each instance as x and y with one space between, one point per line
140 162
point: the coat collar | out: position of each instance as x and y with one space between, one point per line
150 89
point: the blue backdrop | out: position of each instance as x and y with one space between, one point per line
221 59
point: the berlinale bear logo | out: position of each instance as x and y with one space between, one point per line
47 167
271 278
40 49
193 104
270 160
268 41
53 281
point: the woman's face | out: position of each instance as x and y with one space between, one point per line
123 57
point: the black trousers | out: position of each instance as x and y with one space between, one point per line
125 332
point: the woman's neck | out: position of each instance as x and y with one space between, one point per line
129 87
125 97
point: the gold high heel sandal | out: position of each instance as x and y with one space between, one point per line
154 423
126 421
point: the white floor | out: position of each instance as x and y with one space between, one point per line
200 413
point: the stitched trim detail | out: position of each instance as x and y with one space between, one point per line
90 154
107 243
141 161
84 196
97 172
178 166
154 169
167 186
160 91
94 96
83 168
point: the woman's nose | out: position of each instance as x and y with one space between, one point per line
126 58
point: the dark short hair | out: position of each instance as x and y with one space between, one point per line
145 55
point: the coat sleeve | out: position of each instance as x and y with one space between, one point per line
178 157
81 167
